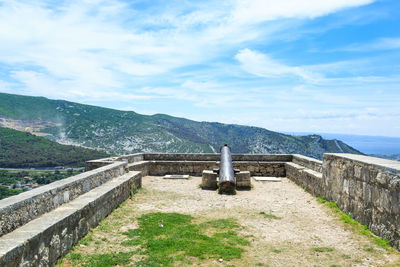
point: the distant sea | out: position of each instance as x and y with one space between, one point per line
364 143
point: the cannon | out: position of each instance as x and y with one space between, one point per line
227 181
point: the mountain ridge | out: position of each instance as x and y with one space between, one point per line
122 132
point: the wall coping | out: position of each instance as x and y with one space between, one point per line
377 162
57 186
307 158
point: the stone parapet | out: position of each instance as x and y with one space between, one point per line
367 188
310 163
18 210
308 179
142 166
215 157
42 241
262 168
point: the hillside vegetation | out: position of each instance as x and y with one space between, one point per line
24 150
123 132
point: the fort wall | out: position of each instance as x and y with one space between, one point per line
367 188
39 226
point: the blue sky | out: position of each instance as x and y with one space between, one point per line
285 65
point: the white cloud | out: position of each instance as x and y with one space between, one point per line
379 44
255 11
180 53
262 65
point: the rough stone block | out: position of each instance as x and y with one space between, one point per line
209 180
243 180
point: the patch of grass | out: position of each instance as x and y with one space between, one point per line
105 227
227 192
369 249
108 259
229 223
274 250
167 238
269 215
362 229
87 239
99 260
322 249
75 256
133 190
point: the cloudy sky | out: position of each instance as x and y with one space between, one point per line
328 66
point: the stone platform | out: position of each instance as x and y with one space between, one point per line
365 187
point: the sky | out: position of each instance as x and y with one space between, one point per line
328 66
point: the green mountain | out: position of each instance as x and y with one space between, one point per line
24 150
124 132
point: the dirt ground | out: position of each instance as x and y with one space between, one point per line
285 225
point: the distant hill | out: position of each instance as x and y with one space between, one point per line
24 150
123 132
386 156
367 144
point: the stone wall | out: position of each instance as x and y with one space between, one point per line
310 163
309 179
43 241
195 168
215 157
368 189
17 210
39 226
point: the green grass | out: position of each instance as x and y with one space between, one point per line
104 260
274 250
322 249
362 229
270 216
226 192
166 238
169 239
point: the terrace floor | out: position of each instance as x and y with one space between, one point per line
285 226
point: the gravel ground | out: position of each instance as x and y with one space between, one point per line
301 228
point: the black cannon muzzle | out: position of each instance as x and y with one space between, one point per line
227 181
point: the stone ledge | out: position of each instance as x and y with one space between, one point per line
376 162
308 162
43 240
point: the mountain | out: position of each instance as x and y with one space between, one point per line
124 132
367 144
386 156
24 150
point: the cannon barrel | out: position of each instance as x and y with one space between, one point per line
227 180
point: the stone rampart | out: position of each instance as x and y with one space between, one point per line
306 178
194 164
310 163
42 241
215 157
367 188
17 210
